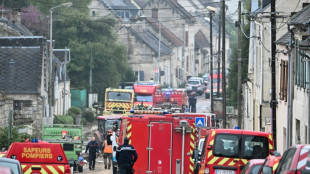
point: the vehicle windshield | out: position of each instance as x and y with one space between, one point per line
144 98
251 147
109 124
12 166
193 82
119 96
201 142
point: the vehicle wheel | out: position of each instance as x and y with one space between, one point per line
80 168
74 167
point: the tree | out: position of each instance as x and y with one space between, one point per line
34 20
233 68
93 38
15 136
63 119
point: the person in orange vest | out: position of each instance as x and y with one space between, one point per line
107 152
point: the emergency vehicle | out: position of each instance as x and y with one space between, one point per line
40 157
171 100
165 143
118 101
228 150
104 124
70 137
144 95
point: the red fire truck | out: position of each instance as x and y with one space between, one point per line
144 95
164 143
171 100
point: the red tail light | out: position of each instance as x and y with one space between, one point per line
67 170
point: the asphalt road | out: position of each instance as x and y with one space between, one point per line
203 106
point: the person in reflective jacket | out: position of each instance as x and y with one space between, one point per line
126 156
93 147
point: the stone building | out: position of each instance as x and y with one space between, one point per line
23 79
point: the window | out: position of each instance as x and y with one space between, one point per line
119 96
285 162
68 147
255 169
301 68
144 98
226 145
255 147
186 38
283 79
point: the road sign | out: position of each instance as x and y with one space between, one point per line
200 121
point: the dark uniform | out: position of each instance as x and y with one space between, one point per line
93 147
192 103
126 156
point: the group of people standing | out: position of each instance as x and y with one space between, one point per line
126 155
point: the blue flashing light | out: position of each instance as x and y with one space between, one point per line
168 93
35 140
132 111
236 127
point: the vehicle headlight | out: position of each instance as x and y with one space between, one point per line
150 106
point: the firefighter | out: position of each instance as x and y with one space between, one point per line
126 156
107 152
93 147
192 102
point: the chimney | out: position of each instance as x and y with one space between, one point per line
305 4
155 13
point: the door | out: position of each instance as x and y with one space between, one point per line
160 147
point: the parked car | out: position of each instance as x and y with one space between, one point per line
5 170
253 166
271 164
195 84
295 160
14 165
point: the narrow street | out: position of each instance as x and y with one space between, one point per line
203 106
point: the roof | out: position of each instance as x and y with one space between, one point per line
121 8
181 9
302 17
285 39
305 44
141 3
151 41
17 27
200 40
165 31
21 64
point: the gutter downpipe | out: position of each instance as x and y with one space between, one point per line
183 141
288 97
261 75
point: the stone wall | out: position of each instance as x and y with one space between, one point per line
6 104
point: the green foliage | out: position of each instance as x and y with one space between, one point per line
74 111
15 5
233 68
15 137
63 119
200 74
88 115
83 121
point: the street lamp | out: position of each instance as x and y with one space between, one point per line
67 4
211 10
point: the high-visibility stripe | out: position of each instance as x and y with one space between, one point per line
210 153
275 166
61 168
223 161
231 163
270 146
192 144
191 151
213 160
52 169
191 167
129 135
245 161
192 161
213 133
192 137
211 142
